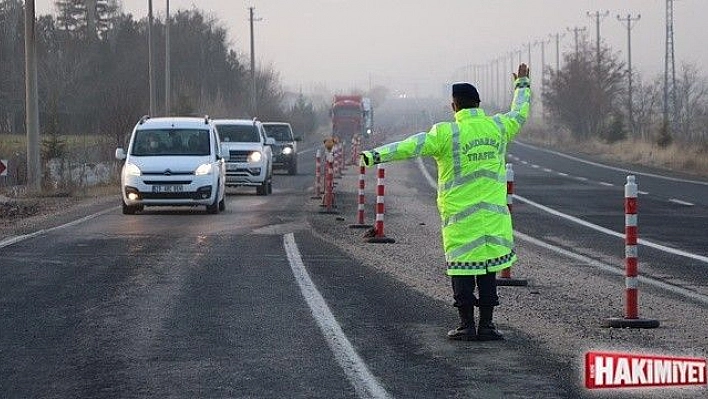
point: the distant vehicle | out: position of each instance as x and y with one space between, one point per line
173 161
347 117
250 155
285 147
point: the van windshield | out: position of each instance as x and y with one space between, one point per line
279 132
171 142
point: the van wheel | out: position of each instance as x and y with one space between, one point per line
292 169
129 210
222 204
214 207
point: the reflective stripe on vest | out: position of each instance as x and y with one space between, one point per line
470 246
502 210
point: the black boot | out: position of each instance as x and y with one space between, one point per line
466 330
487 331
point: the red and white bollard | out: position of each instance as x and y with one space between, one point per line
337 171
362 199
631 317
505 278
318 172
328 198
379 236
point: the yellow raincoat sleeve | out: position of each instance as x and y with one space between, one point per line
511 122
419 144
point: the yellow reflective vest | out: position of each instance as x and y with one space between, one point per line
472 198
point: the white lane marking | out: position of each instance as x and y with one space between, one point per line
643 192
562 174
365 384
603 183
581 178
14 240
678 201
547 170
703 183
581 222
612 269
607 231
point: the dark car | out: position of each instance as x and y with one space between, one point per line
285 147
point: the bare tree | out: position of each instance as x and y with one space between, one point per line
581 95
692 104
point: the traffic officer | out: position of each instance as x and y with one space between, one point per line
476 224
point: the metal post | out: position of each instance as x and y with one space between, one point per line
167 60
34 165
254 97
151 69
630 108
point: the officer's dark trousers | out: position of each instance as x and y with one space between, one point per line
463 290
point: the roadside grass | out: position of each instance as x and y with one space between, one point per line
676 157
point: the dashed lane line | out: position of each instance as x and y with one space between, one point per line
365 384
703 183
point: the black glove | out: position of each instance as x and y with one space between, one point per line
365 158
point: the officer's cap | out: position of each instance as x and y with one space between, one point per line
466 91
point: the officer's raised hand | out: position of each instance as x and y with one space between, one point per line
523 72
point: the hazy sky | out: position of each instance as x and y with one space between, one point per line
419 46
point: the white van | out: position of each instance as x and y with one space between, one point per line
173 161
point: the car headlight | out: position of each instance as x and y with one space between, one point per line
132 170
287 150
255 156
203 169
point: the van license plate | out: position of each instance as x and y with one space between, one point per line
172 188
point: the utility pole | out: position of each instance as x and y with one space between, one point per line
254 98
557 37
669 70
528 62
167 60
497 97
151 69
598 16
576 31
543 43
627 21
34 166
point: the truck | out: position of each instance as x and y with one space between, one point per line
352 116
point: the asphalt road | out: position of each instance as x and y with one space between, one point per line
256 303
672 211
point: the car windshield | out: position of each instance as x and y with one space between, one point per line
238 133
279 132
171 142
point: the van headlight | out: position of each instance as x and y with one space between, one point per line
132 170
203 169
287 150
255 156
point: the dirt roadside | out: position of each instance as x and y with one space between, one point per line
26 214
